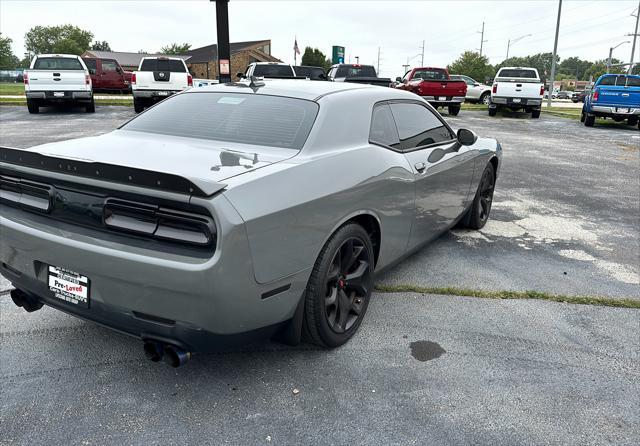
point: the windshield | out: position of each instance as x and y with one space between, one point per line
234 117
273 71
356 71
57 63
172 65
431 75
526 74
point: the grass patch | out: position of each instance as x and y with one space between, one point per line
10 88
538 295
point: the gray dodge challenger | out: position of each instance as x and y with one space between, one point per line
236 211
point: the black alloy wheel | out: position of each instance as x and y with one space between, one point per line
481 208
339 288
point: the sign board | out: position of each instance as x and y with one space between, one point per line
337 55
224 66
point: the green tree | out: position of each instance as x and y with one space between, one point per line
101 45
8 60
57 39
473 65
599 67
313 57
175 48
574 67
540 61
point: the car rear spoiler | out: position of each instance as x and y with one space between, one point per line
110 172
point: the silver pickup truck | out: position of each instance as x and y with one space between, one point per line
58 78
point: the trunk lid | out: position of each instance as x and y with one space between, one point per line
439 87
618 96
518 88
56 80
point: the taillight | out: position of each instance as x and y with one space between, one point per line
25 77
133 78
189 80
495 88
542 90
87 79
595 96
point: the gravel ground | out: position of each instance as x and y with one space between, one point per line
423 369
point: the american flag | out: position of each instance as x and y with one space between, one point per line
296 50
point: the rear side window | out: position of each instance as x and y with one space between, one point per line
172 65
633 82
234 117
383 128
430 75
273 70
57 63
525 74
109 65
418 126
355 71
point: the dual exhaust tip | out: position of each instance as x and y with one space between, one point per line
171 354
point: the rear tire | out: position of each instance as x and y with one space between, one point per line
582 117
32 107
633 120
479 212
91 108
493 111
339 289
589 120
137 106
454 110
535 114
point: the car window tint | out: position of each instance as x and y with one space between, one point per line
418 126
608 80
57 63
273 70
234 117
430 75
355 71
525 74
633 82
172 65
90 63
109 66
383 128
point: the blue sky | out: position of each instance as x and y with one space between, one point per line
449 27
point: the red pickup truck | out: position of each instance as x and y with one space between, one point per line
435 86
107 75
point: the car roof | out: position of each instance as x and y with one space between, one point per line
297 88
70 56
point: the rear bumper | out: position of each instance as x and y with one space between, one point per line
450 100
200 304
157 95
50 96
516 102
613 110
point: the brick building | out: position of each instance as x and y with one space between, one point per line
203 62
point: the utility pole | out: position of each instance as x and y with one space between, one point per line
224 50
378 64
555 51
482 41
422 60
635 37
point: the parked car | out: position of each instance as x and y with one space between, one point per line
435 86
357 74
554 95
191 236
309 72
578 96
158 78
517 88
107 75
56 79
614 96
270 70
476 91
564 95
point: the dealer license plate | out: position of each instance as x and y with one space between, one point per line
622 110
163 93
516 100
442 98
69 286
58 94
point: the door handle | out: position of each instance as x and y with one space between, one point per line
420 167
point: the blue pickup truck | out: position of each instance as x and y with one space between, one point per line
615 96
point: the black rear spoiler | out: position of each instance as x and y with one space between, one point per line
109 172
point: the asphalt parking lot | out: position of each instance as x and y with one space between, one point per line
423 369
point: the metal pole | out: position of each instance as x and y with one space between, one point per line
224 49
378 64
635 37
481 39
609 60
422 60
508 43
555 51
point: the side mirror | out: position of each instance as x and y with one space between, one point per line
398 79
240 75
466 137
118 70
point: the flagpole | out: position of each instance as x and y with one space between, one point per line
295 57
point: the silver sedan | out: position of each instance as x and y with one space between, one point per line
250 209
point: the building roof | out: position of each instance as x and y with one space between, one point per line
124 58
210 52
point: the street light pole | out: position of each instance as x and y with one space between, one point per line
610 54
516 40
555 52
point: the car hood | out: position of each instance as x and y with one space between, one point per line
191 158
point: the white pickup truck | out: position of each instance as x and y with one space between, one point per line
58 78
157 78
517 88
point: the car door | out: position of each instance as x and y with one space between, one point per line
442 168
109 75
